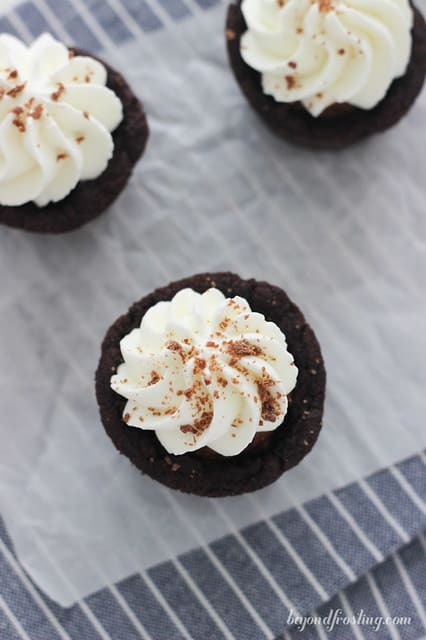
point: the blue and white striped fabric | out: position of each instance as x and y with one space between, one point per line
358 551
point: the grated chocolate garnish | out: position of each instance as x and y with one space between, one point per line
36 113
270 406
15 91
200 425
155 377
291 83
57 94
241 348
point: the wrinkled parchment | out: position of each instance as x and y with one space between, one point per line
344 234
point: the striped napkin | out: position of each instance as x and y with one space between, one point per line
355 552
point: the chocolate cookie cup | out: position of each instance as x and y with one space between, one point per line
91 198
341 125
203 472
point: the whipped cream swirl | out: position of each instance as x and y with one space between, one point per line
323 52
56 118
205 371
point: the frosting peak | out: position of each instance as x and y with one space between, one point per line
56 115
203 370
323 52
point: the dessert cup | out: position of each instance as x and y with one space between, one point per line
204 471
339 125
89 197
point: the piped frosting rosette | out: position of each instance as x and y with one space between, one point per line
205 371
323 52
56 119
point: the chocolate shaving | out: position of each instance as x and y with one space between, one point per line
19 124
200 425
57 94
155 377
325 6
199 365
291 82
36 113
270 406
177 348
15 91
242 348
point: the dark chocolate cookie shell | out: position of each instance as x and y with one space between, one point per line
296 125
251 470
91 197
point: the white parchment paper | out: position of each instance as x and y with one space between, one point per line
344 234
6 5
